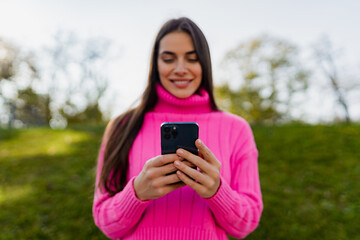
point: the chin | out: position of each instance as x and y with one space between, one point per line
183 94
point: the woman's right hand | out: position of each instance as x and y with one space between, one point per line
155 180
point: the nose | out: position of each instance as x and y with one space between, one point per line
180 68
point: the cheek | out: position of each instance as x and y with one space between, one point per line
198 71
163 69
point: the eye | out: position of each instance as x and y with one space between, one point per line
168 60
192 58
167 57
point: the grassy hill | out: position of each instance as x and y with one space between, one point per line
310 177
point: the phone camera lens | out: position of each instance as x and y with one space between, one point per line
167 129
174 133
167 136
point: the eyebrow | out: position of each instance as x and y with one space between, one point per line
171 53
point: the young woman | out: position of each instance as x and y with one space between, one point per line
141 194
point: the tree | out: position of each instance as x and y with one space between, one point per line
326 57
18 72
14 62
9 59
77 77
268 74
32 109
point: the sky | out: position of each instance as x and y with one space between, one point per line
132 26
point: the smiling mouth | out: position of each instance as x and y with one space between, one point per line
181 83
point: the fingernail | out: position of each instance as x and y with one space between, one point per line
199 141
176 163
180 151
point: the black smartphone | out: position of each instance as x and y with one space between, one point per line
176 135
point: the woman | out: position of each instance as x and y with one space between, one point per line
141 194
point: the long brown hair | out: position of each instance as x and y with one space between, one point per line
124 128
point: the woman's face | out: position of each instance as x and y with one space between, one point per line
178 65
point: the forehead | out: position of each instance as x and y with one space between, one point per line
177 42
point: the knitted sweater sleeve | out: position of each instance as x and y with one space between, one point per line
237 205
116 215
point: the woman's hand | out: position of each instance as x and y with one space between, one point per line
206 181
155 180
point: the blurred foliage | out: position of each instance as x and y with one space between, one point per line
77 68
23 103
32 109
310 179
8 60
14 62
268 74
74 84
91 114
341 85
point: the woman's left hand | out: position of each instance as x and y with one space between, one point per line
206 181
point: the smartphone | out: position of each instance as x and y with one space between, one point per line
176 135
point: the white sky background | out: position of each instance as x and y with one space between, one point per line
132 26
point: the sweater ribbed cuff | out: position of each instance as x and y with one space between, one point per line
129 205
222 201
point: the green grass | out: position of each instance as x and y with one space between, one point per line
46 183
310 178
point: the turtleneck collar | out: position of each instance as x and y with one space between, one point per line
168 103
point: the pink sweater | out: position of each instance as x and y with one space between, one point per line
182 214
